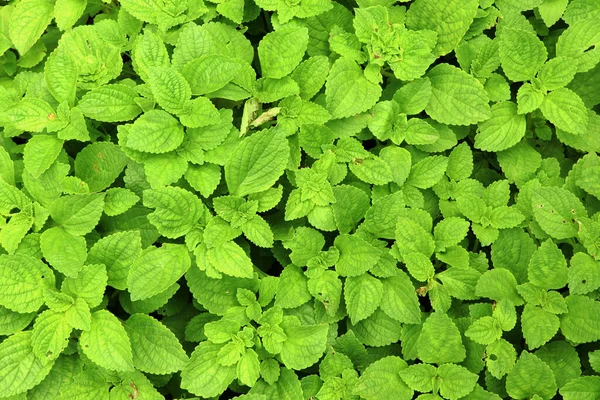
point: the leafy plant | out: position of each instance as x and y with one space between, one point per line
299 199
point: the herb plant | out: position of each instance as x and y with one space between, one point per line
299 199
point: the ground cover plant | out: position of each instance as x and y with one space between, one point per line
299 199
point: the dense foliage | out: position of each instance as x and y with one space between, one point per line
299 199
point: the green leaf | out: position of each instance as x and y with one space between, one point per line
21 369
559 71
169 87
176 210
154 347
203 375
485 330
28 21
362 294
501 358
157 269
522 54
584 387
584 275
419 377
378 330
433 15
530 376
356 255
455 381
548 267
50 335
32 115
345 83
107 343
581 324
257 162
539 326
22 282
413 238
292 290
556 210
78 214
503 130
381 379
70 12
60 73
110 103
400 300
156 132
498 284
117 252
427 172
230 259
99 165
440 340
210 73
89 284
281 51
565 109
529 98
304 345
456 98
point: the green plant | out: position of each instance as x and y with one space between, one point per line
294 199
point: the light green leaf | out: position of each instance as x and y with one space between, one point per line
156 131
60 73
362 294
522 54
565 109
381 380
203 375
22 282
457 98
117 252
281 51
556 210
210 73
50 335
503 130
157 269
356 255
548 267
539 326
169 87
450 19
581 324
20 369
110 103
154 347
455 381
304 345
78 214
230 259
584 387
89 284
485 330
107 343
292 289
99 165
28 21
345 83
530 376
257 162
176 210
440 340
400 300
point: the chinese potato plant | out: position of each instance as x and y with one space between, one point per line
299 199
